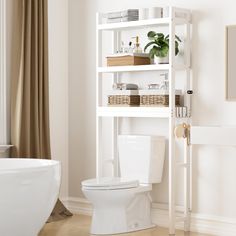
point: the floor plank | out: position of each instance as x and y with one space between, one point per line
79 225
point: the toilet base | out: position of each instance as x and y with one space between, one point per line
123 219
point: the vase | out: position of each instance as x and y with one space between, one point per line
161 60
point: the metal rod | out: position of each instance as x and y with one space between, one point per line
172 164
115 120
186 186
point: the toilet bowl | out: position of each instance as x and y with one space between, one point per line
123 204
120 205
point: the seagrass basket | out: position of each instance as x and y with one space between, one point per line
124 98
156 98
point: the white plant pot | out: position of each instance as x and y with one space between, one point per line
161 60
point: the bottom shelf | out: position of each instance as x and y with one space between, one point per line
162 112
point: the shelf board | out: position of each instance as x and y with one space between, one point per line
161 112
142 23
134 24
110 69
156 67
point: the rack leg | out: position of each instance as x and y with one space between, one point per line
115 133
172 164
187 210
116 41
98 147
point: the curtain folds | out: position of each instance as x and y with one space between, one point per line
30 100
30 89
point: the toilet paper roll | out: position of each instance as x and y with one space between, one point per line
154 12
179 131
143 13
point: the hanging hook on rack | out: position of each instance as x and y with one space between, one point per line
183 131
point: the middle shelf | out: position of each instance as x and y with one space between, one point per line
157 67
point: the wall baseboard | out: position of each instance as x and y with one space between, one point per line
206 224
78 206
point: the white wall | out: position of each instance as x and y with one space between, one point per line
12 46
214 168
58 85
81 95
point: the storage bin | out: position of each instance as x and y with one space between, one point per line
124 98
157 97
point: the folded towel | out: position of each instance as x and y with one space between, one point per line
119 14
122 19
124 86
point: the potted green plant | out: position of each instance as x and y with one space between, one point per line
160 49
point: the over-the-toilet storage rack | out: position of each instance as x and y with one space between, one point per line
176 16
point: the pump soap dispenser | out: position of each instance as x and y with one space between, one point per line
165 83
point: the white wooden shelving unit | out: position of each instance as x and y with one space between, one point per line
177 16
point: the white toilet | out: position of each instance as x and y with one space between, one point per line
123 204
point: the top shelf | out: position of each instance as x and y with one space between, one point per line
134 24
174 15
141 23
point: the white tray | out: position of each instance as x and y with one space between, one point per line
158 92
123 92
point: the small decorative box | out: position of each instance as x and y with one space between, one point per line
128 59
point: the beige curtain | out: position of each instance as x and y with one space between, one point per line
30 89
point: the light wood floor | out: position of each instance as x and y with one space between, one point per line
78 225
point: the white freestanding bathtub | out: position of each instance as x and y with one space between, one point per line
28 192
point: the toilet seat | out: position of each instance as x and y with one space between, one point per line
109 183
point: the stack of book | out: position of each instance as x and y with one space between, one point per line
122 16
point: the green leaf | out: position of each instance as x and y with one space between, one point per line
176 51
149 44
158 52
164 51
176 44
160 36
178 38
176 48
151 35
152 53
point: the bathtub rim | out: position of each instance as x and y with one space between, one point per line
51 163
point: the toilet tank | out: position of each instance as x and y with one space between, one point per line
141 157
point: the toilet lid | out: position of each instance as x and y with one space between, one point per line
105 183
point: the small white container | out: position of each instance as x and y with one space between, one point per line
143 13
155 12
161 60
165 12
157 92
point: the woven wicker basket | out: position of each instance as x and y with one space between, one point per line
124 100
157 100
